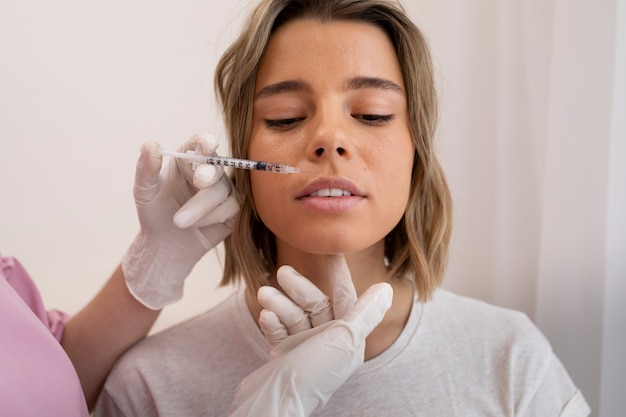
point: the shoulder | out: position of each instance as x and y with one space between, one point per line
490 337
12 271
208 331
478 319
17 284
211 350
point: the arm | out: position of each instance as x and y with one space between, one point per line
183 213
97 335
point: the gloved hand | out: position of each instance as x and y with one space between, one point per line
315 353
183 213
304 306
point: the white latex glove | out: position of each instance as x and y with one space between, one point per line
304 305
306 368
183 213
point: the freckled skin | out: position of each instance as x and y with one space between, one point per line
327 131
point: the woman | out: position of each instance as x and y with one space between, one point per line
343 90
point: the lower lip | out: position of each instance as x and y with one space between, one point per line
331 204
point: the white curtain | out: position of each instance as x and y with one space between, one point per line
532 139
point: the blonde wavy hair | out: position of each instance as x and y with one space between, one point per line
418 244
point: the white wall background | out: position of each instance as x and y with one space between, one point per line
532 135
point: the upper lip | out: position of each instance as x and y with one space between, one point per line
321 183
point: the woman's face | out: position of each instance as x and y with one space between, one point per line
330 100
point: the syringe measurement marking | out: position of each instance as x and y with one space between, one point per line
235 162
245 164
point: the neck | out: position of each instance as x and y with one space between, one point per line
366 267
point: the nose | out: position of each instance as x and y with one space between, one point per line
330 139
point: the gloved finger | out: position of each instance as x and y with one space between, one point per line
343 291
274 331
349 333
147 173
304 293
202 144
295 340
211 236
369 309
202 203
206 175
289 313
225 213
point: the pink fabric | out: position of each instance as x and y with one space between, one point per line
36 376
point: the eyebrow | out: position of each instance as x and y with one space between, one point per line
356 83
290 86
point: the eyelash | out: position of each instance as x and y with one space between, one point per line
374 119
282 124
371 119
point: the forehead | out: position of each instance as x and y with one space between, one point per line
309 48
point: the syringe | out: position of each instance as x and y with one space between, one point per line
233 162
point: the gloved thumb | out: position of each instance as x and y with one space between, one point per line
147 173
343 292
369 309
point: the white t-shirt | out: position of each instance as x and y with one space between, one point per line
455 357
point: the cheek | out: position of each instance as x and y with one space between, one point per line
394 164
260 191
272 149
396 173
266 195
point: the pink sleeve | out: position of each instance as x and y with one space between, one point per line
17 277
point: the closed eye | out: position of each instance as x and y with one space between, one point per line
374 119
282 123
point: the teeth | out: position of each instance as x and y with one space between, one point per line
329 192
